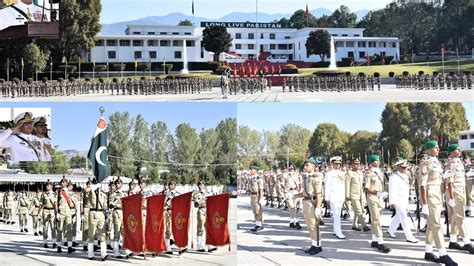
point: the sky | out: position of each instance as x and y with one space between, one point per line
75 123
134 9
348 117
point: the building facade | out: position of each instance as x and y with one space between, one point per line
466 140
434 2
155 43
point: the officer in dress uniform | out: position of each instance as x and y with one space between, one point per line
455 179
432 204
374 187
18 139
355 194
334 193
48 203
40 135
256 193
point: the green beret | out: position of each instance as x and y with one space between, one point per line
255 167
312 160
453 147
431 144
373 158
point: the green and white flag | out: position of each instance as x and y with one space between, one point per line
98 152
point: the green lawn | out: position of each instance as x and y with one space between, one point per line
450 66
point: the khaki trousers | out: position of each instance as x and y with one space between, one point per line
358 213
256 208
375 207
434 232
311 221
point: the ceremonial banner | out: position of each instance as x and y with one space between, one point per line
132 223
217 227
98 152
154 229
180 208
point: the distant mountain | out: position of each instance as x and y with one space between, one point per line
71 153
175 18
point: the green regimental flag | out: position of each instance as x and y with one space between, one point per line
98 152
36 2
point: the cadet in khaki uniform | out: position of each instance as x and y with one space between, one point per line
280 182
8 207
35 212
170 194
199 199
374 188
97 222
355 194
469 184
86 205
48 203
312 198
292 187
23 208
432 204
64 216
256 193
455 179
75 203
117 215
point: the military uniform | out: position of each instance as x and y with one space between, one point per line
8 206
43 145
86 205
292 187
19 143
355 193
23 207
64 218
199 199
256 189
334 194
98 201
35 212
469 184
48 203
117 217
170 194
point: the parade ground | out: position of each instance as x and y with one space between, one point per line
25 249
387 93
278 244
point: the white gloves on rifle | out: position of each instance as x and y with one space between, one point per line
451 202
382 195
425 210
317 212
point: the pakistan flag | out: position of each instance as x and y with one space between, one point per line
98 152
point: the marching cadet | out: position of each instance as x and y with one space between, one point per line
23 208
469 184
170 194
86 205
64 216
334 193
2 211
280 182
117 215
97 221
273 192
455 179
74 204
312 198
18 139
374 184
432 204
35 212
399 192
108 215
8 206
40 134
355 194
292 187
256 193
48 203
199 199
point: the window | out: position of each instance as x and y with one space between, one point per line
383 53
238 36
137 43
163 33
238 46
290 46
111 54
356 35
344 35
152 54
251 36
383 44
472 145
190 43
361 44
99 43
272 47
138 54
187 33
463 137
175 33
177 43
177 54
261 35
394 45
361 54
334 35
136 33
164 43
339 44
251 46
152 43
372 44
287 37
282 47
349 44
272 36
111 42
151 33
350 54
124 42
471 136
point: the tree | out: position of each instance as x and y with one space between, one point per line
249 141
209 145
318 43
227 151
361 142
186 144
404 148
34 59
141 144
216 39
328 140
299 20
120 146
343 18
294 142
185 22
161 140
59 163
77 161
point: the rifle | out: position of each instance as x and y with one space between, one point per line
418 213
446 218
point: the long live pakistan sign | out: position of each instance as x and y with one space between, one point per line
249 25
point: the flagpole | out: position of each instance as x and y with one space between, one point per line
22 68
256 27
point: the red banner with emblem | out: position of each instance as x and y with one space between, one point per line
154 229
132 223
217 227
180 208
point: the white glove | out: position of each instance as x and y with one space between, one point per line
317 212
448 174
382 195
82 218
425 210
451 202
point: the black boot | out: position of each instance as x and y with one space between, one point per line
315 251
447 261
45 245
298 226
469 248
35 234
356 229
382 248
374 244
26 230
321 222
40 233
366 228
105 258
468 213
54 245
292 225
454 245
84 248
70 250
109 247
59 250
431 257
256 229
21 230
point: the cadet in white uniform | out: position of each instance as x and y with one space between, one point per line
18 139
40 135
335 193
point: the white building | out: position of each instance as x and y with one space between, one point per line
157 43
466 140
434 2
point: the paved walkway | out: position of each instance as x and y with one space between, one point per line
388 93
25 249
278 244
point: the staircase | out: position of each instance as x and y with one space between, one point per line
263 56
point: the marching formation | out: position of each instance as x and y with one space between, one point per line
60 212
321 190
435 82
115 87
332 84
